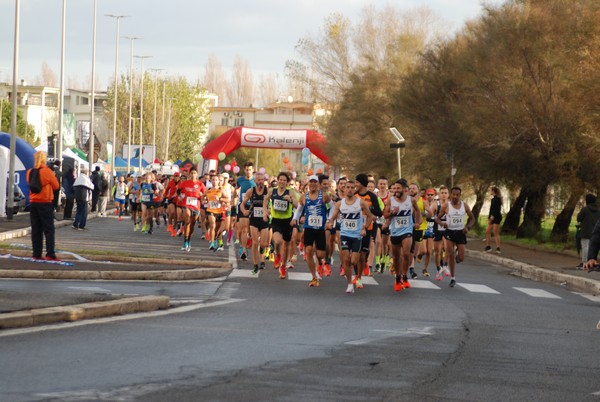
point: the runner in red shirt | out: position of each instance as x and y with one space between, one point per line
191 192
171 197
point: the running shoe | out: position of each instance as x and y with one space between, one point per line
170 228
52 258
255 270
120 218
282 272
452 283
220 248
136 228
241 251
212 246
320 270
366 270
413 274
498 251
405 283
189 247
350 289
184 246
244 256
277 261
294 258
487 249
173 233
314 282
446 271
236 241
262 265
398 284
342 273
425 273
359 284
438 275
327 268
377 267
249 242
290 265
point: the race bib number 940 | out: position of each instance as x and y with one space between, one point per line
350 224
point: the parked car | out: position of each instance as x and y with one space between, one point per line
19 200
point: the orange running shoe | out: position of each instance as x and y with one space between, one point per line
405 283
327 269
320 270
282 272
314 282
277 261
359 284
170 228
366 270
398 284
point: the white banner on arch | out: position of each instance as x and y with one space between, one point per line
285 139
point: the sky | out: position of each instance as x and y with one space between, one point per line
180 34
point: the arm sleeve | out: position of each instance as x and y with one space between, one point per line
376 205
298 213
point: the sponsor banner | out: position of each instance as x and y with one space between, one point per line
260 138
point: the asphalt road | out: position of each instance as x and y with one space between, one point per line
493 337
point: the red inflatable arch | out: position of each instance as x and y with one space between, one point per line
252 137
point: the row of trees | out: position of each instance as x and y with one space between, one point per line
511 99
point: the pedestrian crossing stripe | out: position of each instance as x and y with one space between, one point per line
416 284
471 287
538 293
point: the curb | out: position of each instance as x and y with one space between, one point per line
50 315
538 274
176 275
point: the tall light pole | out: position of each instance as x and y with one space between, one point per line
157 71
13 121
142 58
131 39
91 140
401 144
168 129
61 96
116 85
162 121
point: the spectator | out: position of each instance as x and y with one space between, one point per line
104 194
96 179
57 174
41 213
67 181
83 188
494 219
587 218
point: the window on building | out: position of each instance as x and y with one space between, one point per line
239 122
224 121
85 100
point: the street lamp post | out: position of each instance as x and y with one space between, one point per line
131 39
91 139
400 144
141 111
13 121
116 85
61 95
155 70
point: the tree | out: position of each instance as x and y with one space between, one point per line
25 130
214 79
241 87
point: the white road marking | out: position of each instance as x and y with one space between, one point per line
90 289
368 280
471 287
127 317
299 276
422 284
596 393
243 273
538 293
588 296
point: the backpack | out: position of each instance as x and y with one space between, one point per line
35 184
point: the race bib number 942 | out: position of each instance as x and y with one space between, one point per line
401 221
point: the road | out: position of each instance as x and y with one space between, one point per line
493 337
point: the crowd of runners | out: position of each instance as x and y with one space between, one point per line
374 225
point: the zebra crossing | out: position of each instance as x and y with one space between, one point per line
426 284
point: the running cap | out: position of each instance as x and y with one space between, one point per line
225 175
176 174
313 178
430 191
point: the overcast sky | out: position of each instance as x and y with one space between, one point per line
180 34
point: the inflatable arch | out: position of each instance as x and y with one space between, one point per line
251 137
23 161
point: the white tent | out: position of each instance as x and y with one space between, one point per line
42 147
67 153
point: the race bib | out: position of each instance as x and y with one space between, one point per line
350 224
280 205
146 198
258 212
401 221
214 205
456 221
191 201
380 220
315 221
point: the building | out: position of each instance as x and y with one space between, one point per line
39 105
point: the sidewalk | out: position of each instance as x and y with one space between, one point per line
109 249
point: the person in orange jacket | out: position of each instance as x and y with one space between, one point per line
42 212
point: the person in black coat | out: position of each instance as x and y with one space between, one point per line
96 179
68 178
